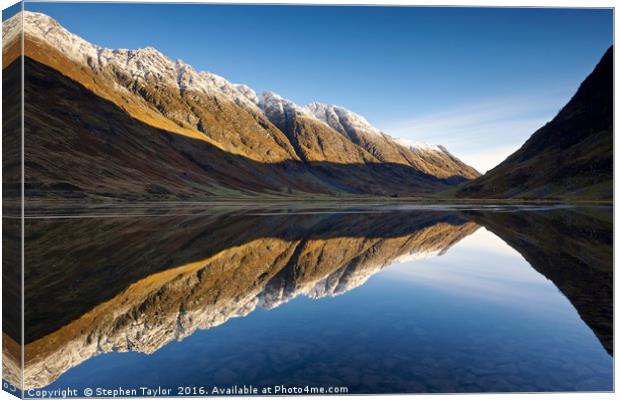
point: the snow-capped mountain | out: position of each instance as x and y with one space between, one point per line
419 146
276 144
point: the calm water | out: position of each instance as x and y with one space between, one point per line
390 299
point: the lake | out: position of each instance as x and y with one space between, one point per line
355 299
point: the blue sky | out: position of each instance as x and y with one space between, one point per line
477 80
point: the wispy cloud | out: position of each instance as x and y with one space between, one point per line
484 133
487 158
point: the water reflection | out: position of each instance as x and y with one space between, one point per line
574 249
159 296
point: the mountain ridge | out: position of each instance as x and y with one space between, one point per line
173 96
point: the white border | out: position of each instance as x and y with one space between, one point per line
479 3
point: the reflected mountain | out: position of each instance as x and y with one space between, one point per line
571 247
97 285
136 283
11 300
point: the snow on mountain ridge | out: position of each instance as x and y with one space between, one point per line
148 63
418 255
271 102
340 117
420 146
272 99
141 64
334 115
248 92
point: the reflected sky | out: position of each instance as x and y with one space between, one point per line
483 266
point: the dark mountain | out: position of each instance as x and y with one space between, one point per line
570 157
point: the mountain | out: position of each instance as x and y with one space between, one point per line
152 128
569 157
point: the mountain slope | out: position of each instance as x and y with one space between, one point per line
313 140
569 157
433 160
438 159
360 132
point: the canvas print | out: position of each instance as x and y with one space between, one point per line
233 199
